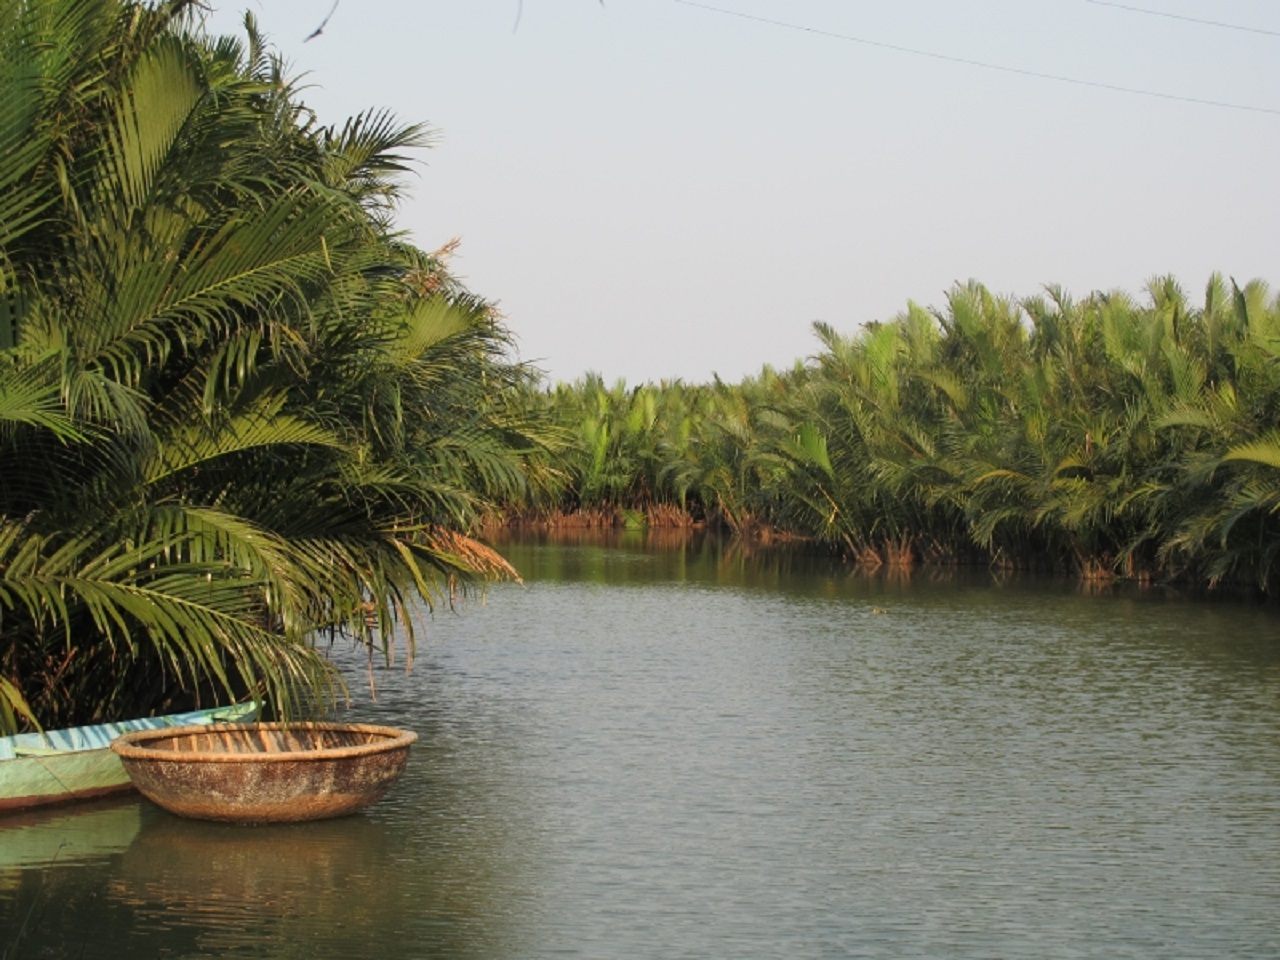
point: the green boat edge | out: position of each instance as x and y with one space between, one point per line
66 766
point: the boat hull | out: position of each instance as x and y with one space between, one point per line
65 766
266 772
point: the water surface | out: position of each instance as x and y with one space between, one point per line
688 752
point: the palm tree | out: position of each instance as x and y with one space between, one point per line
236 409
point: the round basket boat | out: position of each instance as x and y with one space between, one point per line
265 772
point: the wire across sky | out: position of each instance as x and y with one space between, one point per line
983 64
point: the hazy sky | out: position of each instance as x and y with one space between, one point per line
655 190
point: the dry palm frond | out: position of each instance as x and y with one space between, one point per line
472 554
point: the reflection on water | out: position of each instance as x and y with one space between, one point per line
673 750
66 835
421 870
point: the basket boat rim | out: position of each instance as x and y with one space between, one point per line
141 744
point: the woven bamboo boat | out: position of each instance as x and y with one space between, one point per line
265 772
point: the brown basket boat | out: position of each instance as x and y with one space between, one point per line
265 772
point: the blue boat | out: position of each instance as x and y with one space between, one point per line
61 766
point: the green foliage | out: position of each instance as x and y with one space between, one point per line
1106 436
237 410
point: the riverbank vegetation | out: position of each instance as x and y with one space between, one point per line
238 411
1105 437
241 413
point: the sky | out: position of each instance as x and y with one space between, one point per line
659 190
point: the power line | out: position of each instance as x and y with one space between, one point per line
1175 16
1096 84
323 23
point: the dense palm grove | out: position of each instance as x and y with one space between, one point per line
238 413
1101 438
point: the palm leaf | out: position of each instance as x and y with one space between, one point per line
1264 451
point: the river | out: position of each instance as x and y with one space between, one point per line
691 750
